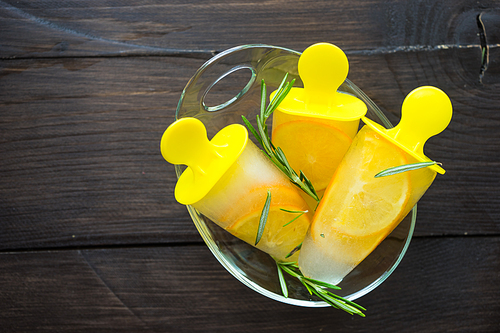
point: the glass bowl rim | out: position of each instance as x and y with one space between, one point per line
210 242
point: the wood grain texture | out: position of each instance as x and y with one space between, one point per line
197 28
441 285
91 239
81 152
80 147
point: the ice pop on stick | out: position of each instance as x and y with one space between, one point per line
358 210
228 178
315 125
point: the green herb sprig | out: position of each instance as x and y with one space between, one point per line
295 249
317 288
275 154
404 168
300 212
263 217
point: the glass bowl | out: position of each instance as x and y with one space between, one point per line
222 90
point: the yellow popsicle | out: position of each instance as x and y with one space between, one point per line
227 180
315 125
358 210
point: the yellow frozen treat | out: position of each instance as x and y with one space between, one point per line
358 210
314 125
227 180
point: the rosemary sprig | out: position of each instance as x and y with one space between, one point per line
300 212
317 288
404 168
313 286
263 218
275 154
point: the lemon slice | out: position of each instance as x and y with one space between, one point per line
280 237
314 147
356 203
357 210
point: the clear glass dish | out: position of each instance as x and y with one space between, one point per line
222 90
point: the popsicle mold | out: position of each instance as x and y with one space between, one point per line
426 111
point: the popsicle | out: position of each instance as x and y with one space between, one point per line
315 125
227 179
358 210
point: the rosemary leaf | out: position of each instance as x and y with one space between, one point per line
293 211
275 154
317 288
289 263
301 212
305 180
309 289
336 301
289 271
280 88
252 129
309 186
263 218
282 158
404 168
284 288
263 94
293 251
323 284
296 217
279 92
346 301
264 136
340 305
282 96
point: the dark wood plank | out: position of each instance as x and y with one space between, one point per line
67 29
443 284
81 164
462 190
58 291
86 90
80 150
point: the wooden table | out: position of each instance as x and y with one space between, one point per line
91 239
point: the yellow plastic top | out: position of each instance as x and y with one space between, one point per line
323 67
425 112
186 142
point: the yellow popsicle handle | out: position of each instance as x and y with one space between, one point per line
186 142
425 112
322 67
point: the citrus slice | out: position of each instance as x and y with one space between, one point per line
314 147
356 203
280 237
357 210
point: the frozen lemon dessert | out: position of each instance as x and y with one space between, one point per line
228 179
359 210
315 125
